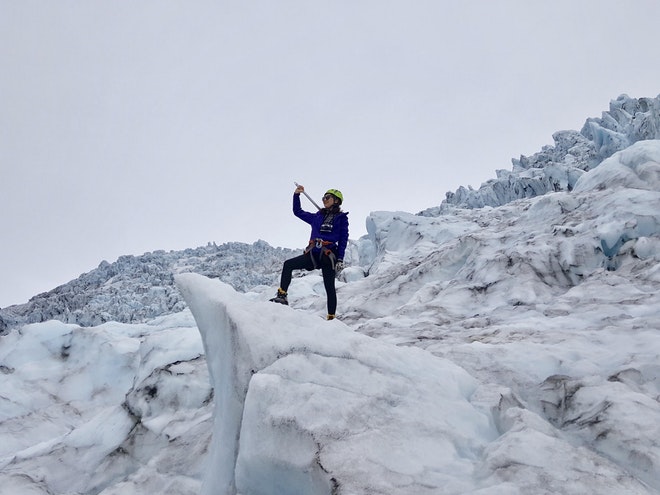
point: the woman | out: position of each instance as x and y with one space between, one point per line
327 245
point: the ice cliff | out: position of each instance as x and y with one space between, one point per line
308 406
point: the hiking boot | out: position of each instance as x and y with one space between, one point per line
280 297
330 317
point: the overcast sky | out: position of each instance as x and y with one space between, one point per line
128 127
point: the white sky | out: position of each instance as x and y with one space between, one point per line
127 127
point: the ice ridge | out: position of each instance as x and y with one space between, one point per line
558 168
135 289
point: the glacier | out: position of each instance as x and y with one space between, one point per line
495 349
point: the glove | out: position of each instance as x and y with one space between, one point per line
339 266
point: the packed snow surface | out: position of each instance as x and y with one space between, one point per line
500 350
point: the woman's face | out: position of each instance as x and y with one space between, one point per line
328 200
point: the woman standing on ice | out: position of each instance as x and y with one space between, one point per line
326 248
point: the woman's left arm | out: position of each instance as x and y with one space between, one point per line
343 236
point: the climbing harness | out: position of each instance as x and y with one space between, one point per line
323 248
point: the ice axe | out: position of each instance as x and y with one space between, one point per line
308 197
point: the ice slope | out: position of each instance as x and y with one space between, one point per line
556 299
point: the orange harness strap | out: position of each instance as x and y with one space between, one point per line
321 244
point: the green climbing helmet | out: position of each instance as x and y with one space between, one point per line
337 194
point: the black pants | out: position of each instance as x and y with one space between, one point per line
305 262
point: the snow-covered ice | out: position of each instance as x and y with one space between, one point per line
82 409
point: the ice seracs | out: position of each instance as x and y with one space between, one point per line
136 289
559 167
636 167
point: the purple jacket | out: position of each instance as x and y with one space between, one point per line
337 234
